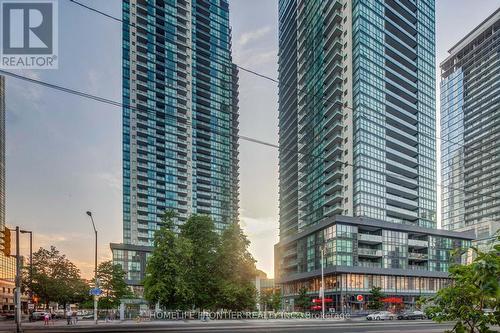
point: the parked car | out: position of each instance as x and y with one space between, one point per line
410 315
8 315
381 315
59 314
38 315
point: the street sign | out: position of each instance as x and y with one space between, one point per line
360 298
95 292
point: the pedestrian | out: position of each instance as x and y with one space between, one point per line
68 316
75 317
46 318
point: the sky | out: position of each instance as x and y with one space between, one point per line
64 152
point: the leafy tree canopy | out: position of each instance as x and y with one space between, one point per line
376 297
167 269
112 282
55 278
472 300
303 301
197 268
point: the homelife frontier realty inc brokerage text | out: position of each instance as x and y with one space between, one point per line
223 315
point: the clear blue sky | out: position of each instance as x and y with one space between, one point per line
64 152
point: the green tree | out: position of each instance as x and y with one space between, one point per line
112 282
270 299
303 302
199 231
376 297
475 287
197 268
265 297
55 278
167 269
276 300
236 271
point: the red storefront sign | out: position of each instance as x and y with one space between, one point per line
392 300
318 300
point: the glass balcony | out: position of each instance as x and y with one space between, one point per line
290 252
290 264
418 243
368 238
333 209
369 252
418 256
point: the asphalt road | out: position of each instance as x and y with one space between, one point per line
251 326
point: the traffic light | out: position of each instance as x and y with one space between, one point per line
6 242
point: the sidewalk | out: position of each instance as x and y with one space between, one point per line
9 326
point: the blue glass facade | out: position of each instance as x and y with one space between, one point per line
357 140
180 149
180 121
394 111
357 112
470 132
406 261
452 151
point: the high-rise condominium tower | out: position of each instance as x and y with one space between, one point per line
357 138
7 264
180 123
2 152
470 131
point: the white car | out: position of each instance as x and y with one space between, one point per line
381 315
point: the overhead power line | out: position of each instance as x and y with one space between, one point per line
246 138
261 75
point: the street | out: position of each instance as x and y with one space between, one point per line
242 326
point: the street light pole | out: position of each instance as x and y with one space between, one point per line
18 284
89 213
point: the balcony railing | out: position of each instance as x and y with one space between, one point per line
413 255
290 252
418 242
370 238
369 252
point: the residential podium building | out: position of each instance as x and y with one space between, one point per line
180 121
470 132
357 153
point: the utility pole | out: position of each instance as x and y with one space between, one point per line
18 284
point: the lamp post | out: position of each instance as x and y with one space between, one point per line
89 213
18 284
